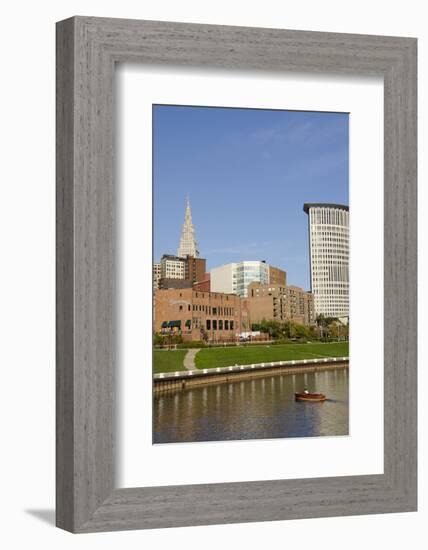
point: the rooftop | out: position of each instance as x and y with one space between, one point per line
309 205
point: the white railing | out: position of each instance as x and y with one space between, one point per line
234 368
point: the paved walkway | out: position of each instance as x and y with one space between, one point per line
189 359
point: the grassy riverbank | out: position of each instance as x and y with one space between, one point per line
223 357
207 358
169 361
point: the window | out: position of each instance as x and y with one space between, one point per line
214 311
208 324
214 324
180 308
231 325
220 325
226 325
188 307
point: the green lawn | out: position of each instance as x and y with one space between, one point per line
168 361
223 357
208 358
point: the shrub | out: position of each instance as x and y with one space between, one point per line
193 344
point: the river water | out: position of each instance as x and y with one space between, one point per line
260 408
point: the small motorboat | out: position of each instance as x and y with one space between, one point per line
308 396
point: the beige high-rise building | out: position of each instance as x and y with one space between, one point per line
329 258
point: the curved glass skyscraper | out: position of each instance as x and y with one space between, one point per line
329 258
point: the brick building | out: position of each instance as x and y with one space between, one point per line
266 302
177 272
195 269
204 285
277 276
300 305
276 302
196 315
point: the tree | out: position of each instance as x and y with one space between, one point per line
333 331
270 327
288 329
301 331
158 339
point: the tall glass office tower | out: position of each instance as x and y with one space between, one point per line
234 278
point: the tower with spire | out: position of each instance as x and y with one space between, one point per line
188 245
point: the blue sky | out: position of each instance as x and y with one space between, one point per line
247 173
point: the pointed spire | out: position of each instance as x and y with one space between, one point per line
188 245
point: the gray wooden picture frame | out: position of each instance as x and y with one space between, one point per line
87 51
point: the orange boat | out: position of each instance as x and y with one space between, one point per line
308 396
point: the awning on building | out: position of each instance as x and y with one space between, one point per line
188 323
164 324
173 324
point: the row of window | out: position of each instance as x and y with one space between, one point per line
318 242
329 216
322 283
332 292
219 324
209 309
325 244
327 229
213 295
337 236
329 254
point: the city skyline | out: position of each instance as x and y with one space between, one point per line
247 174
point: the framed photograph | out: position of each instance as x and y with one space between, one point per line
236 274
239 351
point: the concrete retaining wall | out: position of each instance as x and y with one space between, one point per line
185 379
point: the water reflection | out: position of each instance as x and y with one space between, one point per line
253 409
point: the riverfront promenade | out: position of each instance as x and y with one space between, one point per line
182 379
212 357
